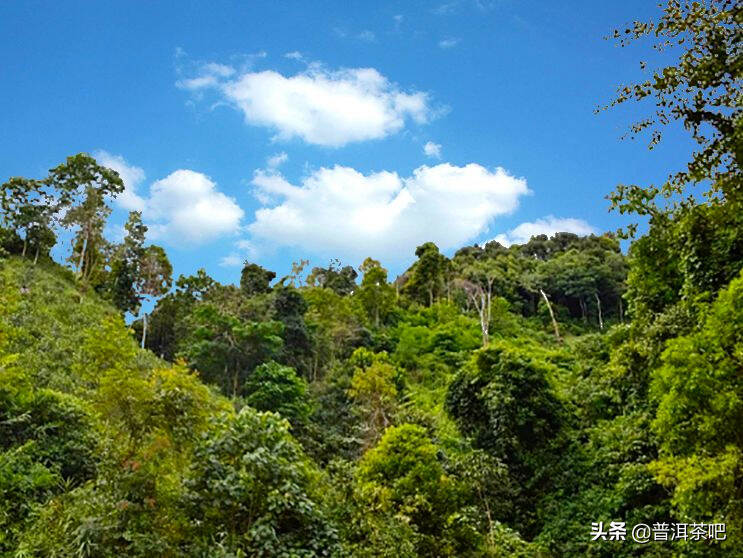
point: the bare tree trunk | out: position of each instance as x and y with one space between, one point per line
598 304
552 315
82 254
484 322
489 300
25 243
144 329
36 257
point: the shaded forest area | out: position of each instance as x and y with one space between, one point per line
495 403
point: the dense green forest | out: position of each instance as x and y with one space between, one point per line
496 403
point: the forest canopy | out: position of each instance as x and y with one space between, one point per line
497 402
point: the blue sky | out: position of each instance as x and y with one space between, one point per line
274 131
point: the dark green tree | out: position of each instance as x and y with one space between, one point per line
225 350
289 308
503 400
252 492
277 388
428 276
255 280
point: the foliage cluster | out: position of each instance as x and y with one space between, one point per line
491 404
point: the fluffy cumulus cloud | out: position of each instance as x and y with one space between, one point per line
432 149
184 208
547 225
319 106
131 176
345 213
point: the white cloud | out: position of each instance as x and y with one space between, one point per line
209 75
294 55
322 107
432 149
131 176
345 213
220 70
547 225
185 207
450 42
231 260
275 161
367 36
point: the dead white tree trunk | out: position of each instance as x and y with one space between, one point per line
484 322
480 299
82 254
144 329
489 298
598 304
552 315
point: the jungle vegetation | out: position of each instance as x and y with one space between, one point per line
493 403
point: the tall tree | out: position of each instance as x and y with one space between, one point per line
428 274
702 91
375 294
83 186
137 271
124 265
289 308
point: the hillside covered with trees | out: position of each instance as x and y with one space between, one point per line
494 403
